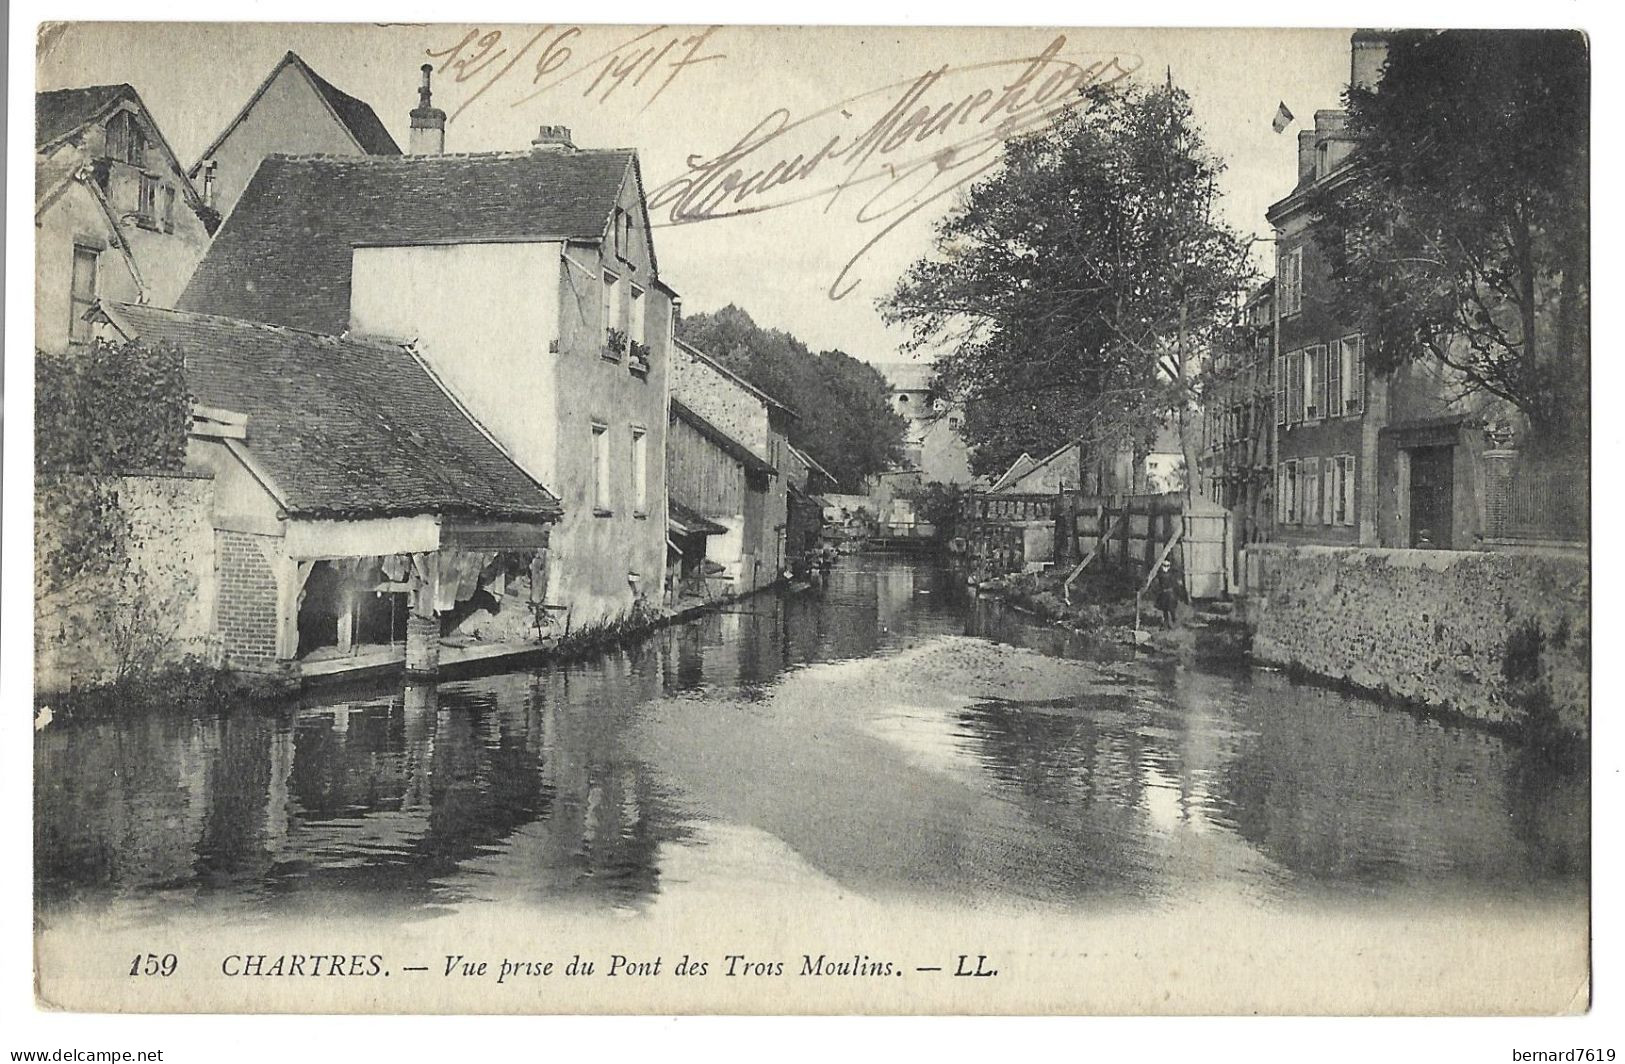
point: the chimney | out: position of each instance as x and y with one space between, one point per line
1368 51
1306 153
428 122
553 138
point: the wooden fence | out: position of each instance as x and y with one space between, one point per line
1012 533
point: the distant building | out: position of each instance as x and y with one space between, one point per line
114 214
1159 469
935 445
295 111
1360 459
526 281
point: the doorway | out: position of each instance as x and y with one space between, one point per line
1432 491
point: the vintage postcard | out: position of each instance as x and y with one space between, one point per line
581 518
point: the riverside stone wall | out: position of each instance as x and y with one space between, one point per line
1495 636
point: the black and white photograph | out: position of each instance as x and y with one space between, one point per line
583 518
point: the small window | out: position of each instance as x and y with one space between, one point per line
169 209
1290 271
640 472
82 293
147 207
609 316
600 469
953 423
636 319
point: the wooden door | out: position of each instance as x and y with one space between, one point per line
1432 486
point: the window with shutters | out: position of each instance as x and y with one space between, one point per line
169 209
1288 498
1314 383
81 292
1348 489
1334 379
1353 359
1294 386
1290 271
1329 468
1309 491
147 207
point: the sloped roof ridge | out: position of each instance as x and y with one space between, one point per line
409 158
376 343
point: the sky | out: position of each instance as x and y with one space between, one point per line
803 243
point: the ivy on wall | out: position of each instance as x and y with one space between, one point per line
100 411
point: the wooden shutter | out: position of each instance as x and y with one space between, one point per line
1294 387
1357 374
1328 490
1280 389
1335 406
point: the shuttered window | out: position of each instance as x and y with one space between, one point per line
1353 358
1329 469
1314 382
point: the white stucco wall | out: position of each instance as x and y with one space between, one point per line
485 317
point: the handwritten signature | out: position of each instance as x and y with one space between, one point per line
937 133
491 57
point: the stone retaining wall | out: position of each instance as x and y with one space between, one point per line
1495 636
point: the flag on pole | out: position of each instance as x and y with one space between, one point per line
1283 118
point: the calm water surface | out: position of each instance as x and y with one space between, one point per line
877 737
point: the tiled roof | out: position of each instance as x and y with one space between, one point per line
357 115
284 254
62 111
343 428
729 446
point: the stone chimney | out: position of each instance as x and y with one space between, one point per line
1368 51
553 138
1307 140
428 122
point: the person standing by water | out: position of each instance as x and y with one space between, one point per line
1168 593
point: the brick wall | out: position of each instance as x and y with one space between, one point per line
245 607
1467 631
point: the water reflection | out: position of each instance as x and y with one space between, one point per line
853 724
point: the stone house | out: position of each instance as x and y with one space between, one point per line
1396 460
295 111
526 282
753 427
355 505
114 214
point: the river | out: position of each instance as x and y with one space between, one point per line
879 737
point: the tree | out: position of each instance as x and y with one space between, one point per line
846 421
1461 230
1069 291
